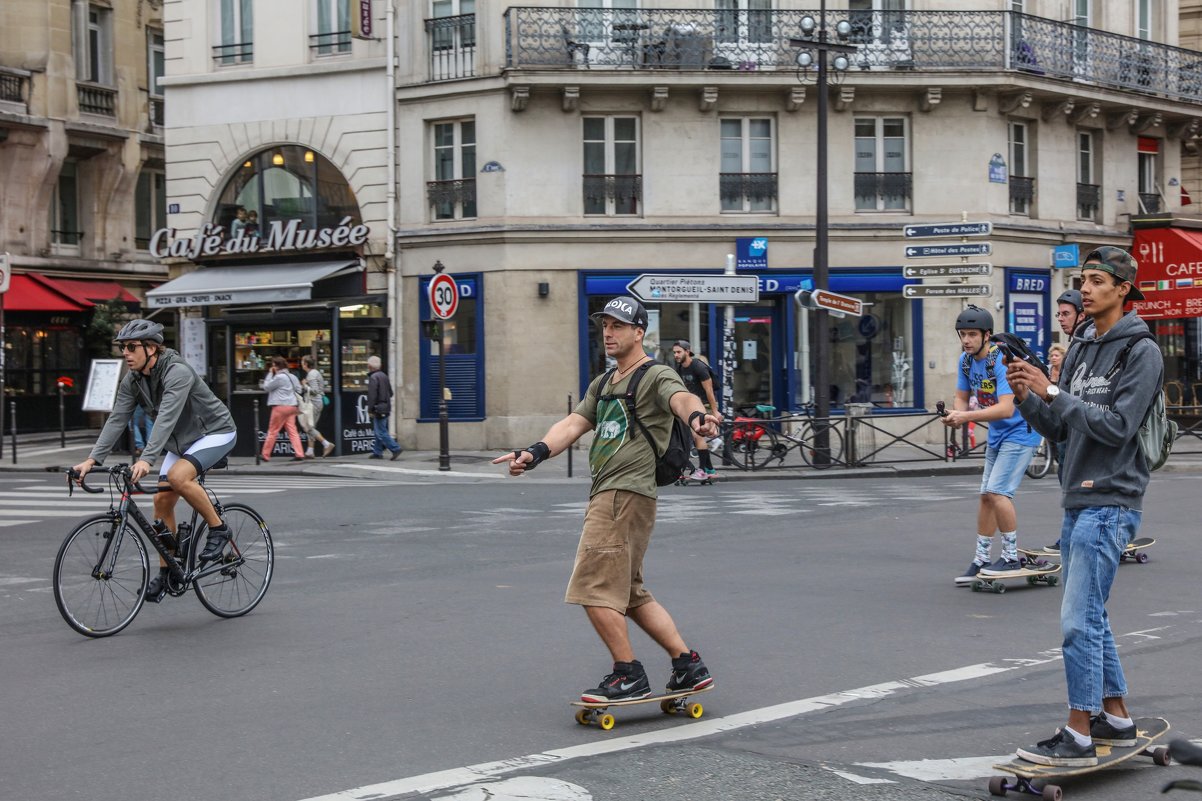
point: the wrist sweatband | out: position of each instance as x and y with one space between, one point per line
696 414
539 451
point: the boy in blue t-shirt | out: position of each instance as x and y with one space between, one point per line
982 374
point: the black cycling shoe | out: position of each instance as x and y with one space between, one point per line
215 544
157 587
628 682
689 673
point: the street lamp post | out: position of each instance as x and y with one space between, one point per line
815 47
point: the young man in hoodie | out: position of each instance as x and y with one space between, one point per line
1108 380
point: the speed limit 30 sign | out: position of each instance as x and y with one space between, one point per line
443 294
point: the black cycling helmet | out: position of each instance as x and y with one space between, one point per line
1073 298
974 318
141 330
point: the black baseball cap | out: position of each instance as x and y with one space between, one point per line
625 309
1118 263
684 344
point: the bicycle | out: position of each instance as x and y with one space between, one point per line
755 436
102 571
1042 461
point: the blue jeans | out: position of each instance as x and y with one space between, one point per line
1004 468
142 426
1091 541
379 427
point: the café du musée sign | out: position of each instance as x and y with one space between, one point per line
211 241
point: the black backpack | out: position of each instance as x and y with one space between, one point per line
671 463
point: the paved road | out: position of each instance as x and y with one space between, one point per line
415 628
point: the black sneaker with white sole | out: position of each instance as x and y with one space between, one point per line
689 673
627 682
1060 750
1001 567
969 575
1103 733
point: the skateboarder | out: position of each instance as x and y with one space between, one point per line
1097 406
607 579
698 379
1008 451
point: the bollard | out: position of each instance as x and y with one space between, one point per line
571 447
12 416
258 447
62 418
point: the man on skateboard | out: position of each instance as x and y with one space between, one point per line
1011 444
607 579
1097 406
698 379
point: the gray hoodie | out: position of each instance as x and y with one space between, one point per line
182 406
1099 415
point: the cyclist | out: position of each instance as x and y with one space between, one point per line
1010 446
193 430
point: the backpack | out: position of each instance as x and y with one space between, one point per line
671 463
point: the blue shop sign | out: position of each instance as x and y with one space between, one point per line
1025 282
751 253
1066 257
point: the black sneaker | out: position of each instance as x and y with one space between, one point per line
157 587
628 682
1001 567
967 576
689 673
215 544
1060 750
1104 733
1054 547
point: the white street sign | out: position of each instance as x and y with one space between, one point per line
939 230
946 270
922 291
695 288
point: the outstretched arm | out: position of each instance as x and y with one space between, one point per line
557 439
688 408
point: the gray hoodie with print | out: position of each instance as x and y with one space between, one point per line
1099 412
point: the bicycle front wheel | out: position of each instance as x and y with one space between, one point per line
234 584
827 457
1041 462
100 576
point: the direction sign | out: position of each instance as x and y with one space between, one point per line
946 270
946 290
443 294
825 299
5 271
945 251
716 288
939 230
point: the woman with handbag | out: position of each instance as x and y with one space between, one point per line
315 390
283 396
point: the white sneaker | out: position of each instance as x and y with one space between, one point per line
309 453
698 475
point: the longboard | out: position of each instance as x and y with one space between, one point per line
1135 548
1040 575
1036 556
669 704
1033 779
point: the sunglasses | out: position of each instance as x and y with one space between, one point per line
131 347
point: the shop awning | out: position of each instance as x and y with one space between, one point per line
1170 272
257 283
26 293
87 292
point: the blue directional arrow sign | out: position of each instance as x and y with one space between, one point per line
939 230
945 251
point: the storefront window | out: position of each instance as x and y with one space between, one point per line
1180 343
253 351
36 357
872 357
666 323
284 183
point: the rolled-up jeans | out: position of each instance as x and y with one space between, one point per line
382 439
1091 541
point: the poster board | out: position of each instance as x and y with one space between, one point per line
103 379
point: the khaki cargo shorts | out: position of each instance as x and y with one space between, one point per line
609 559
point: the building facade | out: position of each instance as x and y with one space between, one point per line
83 166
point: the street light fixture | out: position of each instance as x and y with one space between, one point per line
816 46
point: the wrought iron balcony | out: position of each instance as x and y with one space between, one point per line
451 43
747 191
1150 202
883 191
1089 198
330 44
619 194
156 111
14 88
728 39
1022 192
446 196
96 99
235 53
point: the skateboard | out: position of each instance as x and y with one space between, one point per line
1033 779
686 480
1135 550
669 704
1045 574
1036 556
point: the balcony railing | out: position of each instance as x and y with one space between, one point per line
14 88
1150 202
883 191
451 43
747 191
1089 198
619 194
234 53
330 44
157 111
446 196
1022 192
96 99
727 39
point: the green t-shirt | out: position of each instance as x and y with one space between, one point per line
620 456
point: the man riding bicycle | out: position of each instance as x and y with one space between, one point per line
193 430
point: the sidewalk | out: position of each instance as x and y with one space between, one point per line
43 453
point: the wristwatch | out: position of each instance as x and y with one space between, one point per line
1051 393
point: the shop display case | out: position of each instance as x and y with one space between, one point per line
354 364
253 352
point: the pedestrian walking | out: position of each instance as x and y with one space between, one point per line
607 579
283 398
1008 450
1112 374
1055 361
314 397
142 426
379 403
698 378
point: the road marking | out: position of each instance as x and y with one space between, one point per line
942 770
521 788
456 777
851 777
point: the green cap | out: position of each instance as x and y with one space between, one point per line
1118 263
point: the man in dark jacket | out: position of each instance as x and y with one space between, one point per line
1108 381
379 404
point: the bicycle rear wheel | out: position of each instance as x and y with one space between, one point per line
762 451
1041 462
834 449
234 585
100 576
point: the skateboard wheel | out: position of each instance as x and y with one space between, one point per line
606 722
999 587
696 710
1032 580
1123 557
1162 757
997 785
1141 558
977 585
1053 581
582 717
1052 792
667 707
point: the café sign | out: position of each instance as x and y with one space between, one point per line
211 240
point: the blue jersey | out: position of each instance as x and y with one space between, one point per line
986 380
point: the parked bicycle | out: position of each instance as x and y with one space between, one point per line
756 435
102 570
1043 460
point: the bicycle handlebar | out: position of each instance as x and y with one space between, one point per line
121 470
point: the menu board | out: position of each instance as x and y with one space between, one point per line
102 385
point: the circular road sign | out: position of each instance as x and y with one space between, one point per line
443 294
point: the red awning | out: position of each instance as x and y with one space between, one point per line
1148 144
1170 272
25 293
87 292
